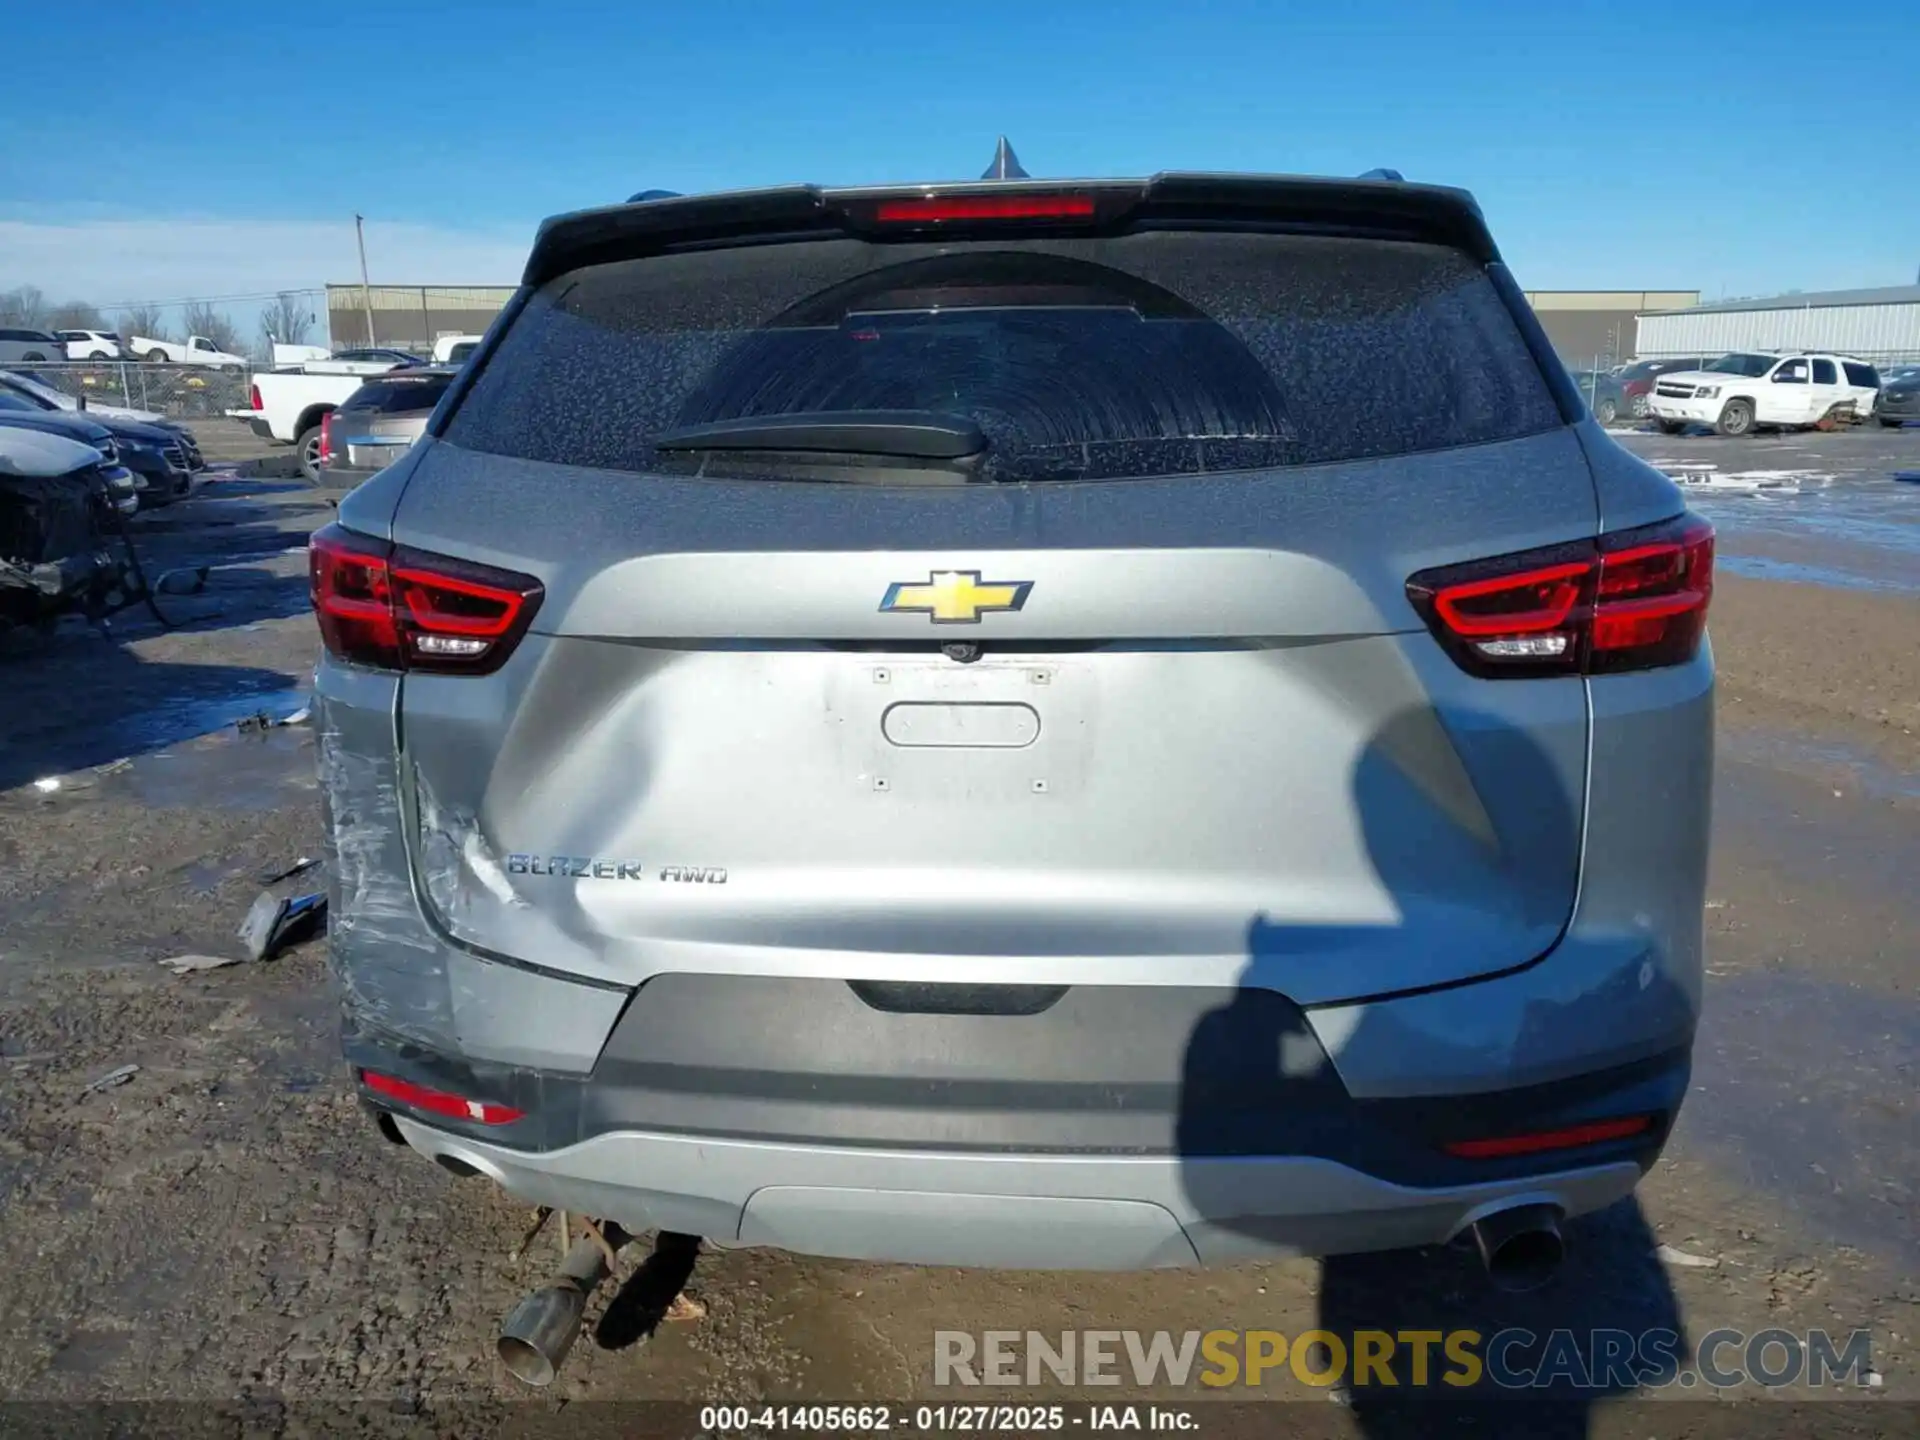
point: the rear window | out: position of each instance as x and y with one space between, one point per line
392 397
1864 376
1151 354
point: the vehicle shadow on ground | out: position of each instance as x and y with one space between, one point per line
218 566
79 703
223 596
1258 1080
640 1305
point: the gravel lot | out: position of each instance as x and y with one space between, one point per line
227 1225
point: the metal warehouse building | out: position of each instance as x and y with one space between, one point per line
1877 325
1590 325
1582 324
411 317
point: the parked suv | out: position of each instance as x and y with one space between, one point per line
30 347
1898 402
90 344
1740 391
925 725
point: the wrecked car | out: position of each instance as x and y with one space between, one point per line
56 499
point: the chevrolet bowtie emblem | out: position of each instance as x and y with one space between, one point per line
954 597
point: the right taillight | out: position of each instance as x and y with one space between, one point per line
1630 600
253 397
393 608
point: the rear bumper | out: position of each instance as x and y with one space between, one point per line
258 424
1253 1147
1005 1211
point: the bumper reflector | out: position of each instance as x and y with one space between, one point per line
1592 1133
439 1102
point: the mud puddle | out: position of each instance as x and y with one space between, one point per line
228 771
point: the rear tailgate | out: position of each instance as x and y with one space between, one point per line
1144 703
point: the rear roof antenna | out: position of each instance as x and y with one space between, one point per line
1006 165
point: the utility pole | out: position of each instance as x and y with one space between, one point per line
366 290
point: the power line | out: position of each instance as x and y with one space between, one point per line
206 300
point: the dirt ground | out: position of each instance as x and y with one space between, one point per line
227 1224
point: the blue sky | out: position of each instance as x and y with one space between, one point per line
175 148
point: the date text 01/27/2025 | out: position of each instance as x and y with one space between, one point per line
944 1419
588 867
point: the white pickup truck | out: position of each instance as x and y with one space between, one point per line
1741 391
198 350
290 405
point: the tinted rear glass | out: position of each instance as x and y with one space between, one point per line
1863 375
1156 353
393 397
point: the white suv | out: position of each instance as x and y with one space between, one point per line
90 344
1740 391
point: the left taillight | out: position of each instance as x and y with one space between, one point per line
395 608
1629 600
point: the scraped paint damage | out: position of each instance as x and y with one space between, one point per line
391 969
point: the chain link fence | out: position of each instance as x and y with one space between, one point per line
182 392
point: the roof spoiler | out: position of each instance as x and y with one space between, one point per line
1435 214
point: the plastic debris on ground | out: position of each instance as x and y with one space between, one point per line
287 872
1668 1255
117 1076
277 921
189 580
47 784
261 720
194 964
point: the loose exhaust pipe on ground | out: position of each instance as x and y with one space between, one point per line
1521 1247
541 1329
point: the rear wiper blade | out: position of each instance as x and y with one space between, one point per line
905 434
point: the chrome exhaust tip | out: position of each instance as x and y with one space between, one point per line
1521 1248
540 1331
